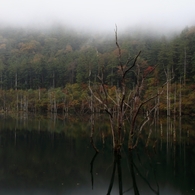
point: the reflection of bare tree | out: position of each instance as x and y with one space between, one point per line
92 122
91 170
116 163
134 171
135 168
132 168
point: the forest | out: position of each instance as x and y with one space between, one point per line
49 70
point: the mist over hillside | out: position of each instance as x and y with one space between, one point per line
45 57
57 61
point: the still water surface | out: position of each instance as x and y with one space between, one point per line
43 156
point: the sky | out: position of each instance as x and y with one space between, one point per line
100 15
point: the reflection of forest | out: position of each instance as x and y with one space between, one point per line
160 171
55 153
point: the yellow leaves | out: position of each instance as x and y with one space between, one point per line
15 51
68 48
52 59
51 40
116 52
3 40
112 91
3 46
74 102
151 82
28 47
190 98
84 48
76 94
64 51
1 65
37 58
60 52
191 30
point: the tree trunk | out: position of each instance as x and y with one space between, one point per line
180 99
16 80
185 64
53 79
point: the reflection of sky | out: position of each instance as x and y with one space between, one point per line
167 189
86 190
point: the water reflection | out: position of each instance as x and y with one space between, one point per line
91 169
39 156
134 172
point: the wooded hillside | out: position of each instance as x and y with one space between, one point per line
49 70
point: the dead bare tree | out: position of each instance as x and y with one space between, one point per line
125 100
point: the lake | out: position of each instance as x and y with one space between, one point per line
43 155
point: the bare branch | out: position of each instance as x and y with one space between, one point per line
140 130
144 123
138 109
101 102
134 62
119 50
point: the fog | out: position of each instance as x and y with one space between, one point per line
162 16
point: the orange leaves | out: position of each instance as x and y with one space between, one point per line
148 70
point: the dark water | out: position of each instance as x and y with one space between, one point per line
40 156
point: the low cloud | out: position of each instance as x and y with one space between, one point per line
102 15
